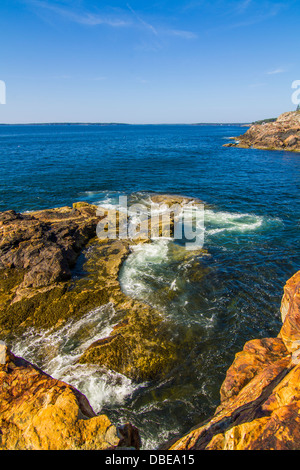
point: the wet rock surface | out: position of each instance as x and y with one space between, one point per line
37 254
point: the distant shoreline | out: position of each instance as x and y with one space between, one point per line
123 124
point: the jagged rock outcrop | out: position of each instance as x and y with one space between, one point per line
282 134
38 412
260 397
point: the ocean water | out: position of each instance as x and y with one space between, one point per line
218 301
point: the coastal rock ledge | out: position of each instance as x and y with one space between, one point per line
260 396
282 134
259 407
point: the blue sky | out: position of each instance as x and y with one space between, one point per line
143 62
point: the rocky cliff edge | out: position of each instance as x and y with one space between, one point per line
282 134
260 396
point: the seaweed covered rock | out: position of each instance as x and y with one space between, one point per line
38 288
45 244
37 254
141 347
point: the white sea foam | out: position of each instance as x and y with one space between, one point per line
229 222
56 352
147 274
140 261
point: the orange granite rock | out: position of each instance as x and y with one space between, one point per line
255 357
38 412
260 396
290 314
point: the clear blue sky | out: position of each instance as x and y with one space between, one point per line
138 61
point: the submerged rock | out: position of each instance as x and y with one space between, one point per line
38 412
141 347
172 200
260 397
282 134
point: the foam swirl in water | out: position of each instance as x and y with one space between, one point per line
56 353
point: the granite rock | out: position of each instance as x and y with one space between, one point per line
260 396
38 412
282 134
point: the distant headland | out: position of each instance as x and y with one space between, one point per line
282 133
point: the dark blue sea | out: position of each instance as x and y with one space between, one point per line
221 300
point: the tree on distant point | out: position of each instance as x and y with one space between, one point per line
298 107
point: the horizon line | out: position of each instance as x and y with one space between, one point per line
79 123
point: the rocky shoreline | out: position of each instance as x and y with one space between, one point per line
260 397
37 254
282 134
